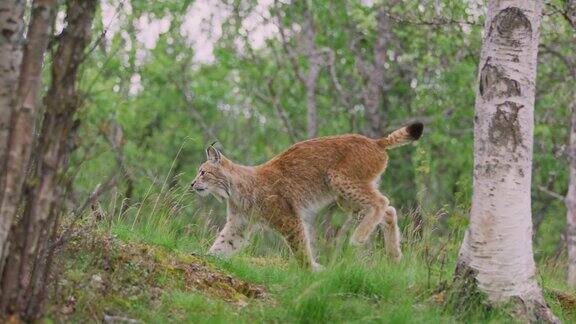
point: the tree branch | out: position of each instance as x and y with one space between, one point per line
568 61
551 193
184 88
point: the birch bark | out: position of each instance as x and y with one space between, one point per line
496 255
570 199
570 202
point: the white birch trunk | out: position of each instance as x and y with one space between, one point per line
497 247
570 202
570 199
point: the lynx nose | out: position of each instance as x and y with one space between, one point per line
192 184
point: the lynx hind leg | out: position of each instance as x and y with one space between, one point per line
392 233
372 216
363 194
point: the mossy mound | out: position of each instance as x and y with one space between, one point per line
102 277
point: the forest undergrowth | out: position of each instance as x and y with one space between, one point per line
147 263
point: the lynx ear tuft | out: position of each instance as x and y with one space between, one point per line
213 155
415 130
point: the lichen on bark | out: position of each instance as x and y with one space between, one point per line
495 84
504 129
512 27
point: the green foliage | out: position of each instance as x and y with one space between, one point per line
150 112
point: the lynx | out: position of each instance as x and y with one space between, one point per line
289 189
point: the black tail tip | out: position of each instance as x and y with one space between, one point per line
415 130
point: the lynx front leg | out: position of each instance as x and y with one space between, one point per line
232 236
295 234
309 237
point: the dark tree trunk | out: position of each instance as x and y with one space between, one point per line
374 73
373 95
28 266
11 33
21 137
314 66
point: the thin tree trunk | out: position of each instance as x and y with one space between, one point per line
11 30
314 65
570 199
11 33
274 100
571 12
29 259
570 202
315 61
496 255
281 113
196 116
23 119
373 95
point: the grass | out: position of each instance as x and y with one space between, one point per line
148 245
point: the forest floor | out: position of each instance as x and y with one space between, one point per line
128 272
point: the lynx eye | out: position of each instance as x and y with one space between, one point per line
202 172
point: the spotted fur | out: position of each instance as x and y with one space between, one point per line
289 189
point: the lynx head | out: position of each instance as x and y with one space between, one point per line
212 177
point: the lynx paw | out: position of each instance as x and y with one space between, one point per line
317 267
